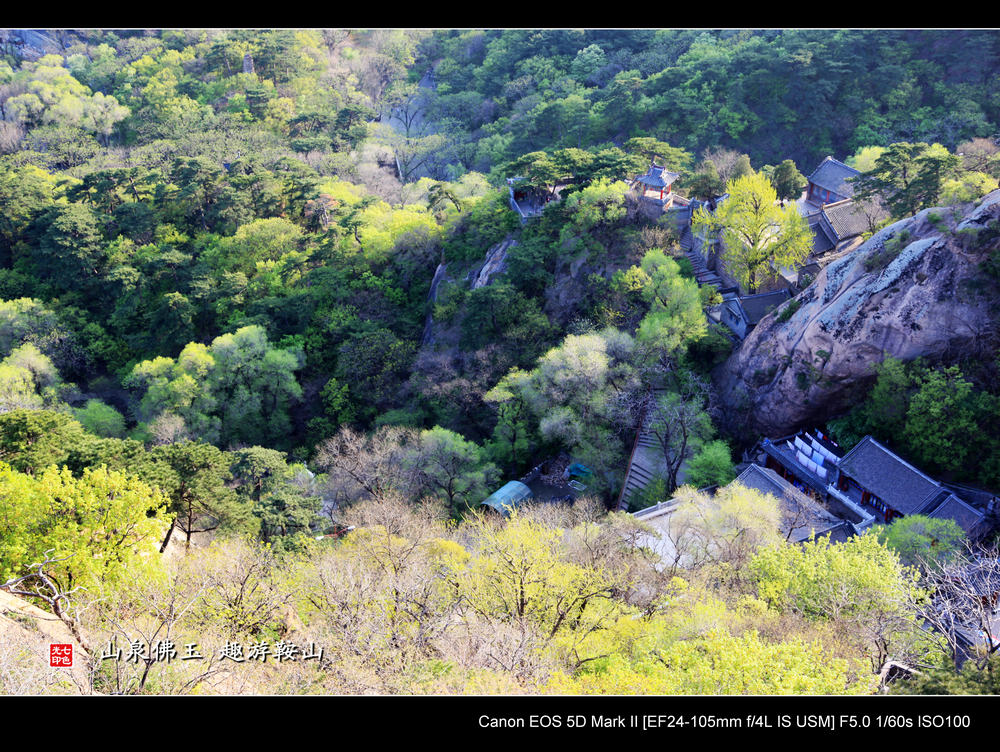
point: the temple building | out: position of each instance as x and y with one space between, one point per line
829 184
869 484
656 187
741 313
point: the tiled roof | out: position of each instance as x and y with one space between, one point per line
846 218
786 456
832 175
896 482
954 508
767 481
839 533
658 177
822 242
756 307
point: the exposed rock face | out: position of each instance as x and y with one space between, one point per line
495 263
931 299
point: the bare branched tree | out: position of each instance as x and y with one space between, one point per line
964 605
366 466
42 585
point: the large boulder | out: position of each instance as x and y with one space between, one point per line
915 288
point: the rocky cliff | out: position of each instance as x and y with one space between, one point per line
915 288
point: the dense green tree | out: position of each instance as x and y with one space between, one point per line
711 466
31 440
705 183
452 469
374 365
787 180
101 419
922 541
908 177
941 416
101 527
239 389
195 478
498 313
675 317
513 438
70 249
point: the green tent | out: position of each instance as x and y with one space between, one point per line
507 498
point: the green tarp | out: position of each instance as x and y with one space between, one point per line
509 497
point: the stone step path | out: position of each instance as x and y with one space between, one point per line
639 474
702 273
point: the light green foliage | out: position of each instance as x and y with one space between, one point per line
518 573
727 528
383 227
587 62
758 236
675 316
101 419
864 159
256 246
720 663
580 393
179 387
452 469
859 584
53 95
106 524
238 389
28 380
600 204
711 466
23 191
256 385
968 186
829 580
922 541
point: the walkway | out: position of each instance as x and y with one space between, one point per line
645 464
702 273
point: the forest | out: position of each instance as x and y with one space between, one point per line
257 371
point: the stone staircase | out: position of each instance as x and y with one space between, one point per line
702 273
641 469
